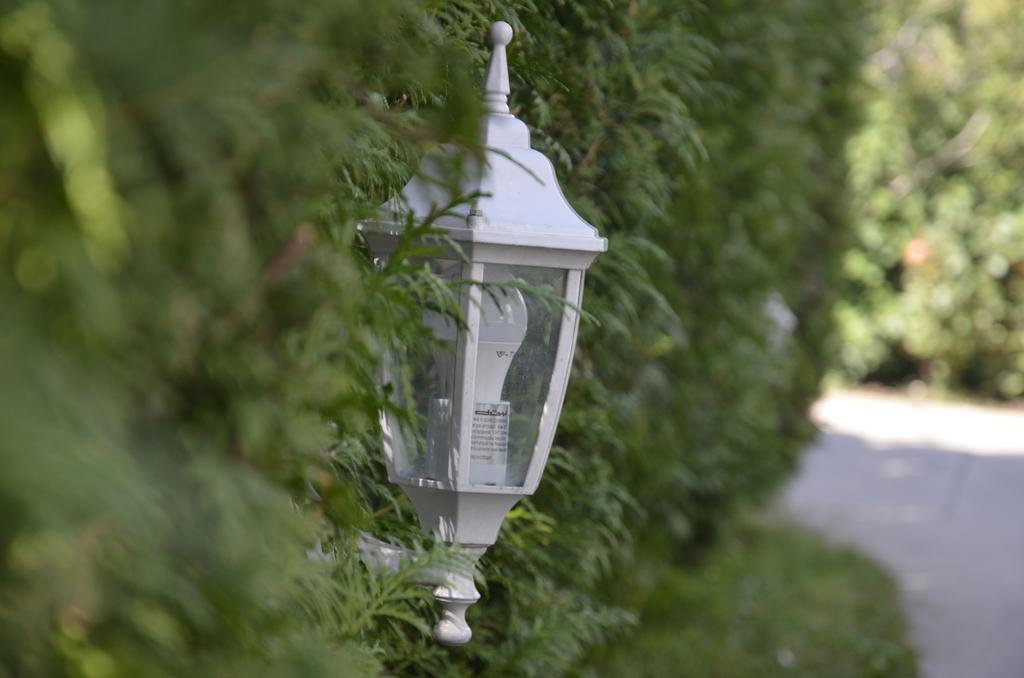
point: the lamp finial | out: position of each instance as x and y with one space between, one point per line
496 88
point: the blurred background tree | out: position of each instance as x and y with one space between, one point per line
192 331
935 277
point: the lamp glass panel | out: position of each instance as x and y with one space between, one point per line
425 379
520 321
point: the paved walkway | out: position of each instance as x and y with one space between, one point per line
935 492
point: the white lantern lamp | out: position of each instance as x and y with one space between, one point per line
489 396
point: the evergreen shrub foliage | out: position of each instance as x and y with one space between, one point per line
935 277
192 331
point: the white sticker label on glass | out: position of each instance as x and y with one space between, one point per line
490 433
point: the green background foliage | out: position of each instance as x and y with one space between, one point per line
768 600
935 279
188 387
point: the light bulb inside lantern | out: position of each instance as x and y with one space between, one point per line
502 329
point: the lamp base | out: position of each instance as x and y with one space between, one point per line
455 595
453 589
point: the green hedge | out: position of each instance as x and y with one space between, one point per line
187 373
935 277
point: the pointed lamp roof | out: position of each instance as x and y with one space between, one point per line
519 200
